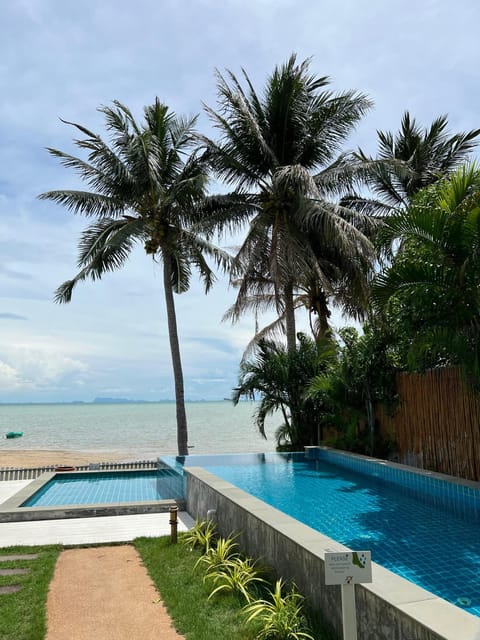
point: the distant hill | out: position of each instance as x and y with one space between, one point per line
119 401
103 400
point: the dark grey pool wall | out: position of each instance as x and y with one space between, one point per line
389 609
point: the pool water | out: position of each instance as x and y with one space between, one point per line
418 540
99 488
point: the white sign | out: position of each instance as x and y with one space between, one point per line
348 567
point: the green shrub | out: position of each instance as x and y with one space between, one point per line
281 617
238 576
201 535
218 555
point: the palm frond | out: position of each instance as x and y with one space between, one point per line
429 154
86 203
104 246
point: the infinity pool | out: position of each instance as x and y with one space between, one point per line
407 532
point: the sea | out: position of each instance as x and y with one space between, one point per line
141 431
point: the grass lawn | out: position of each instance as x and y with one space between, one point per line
185 595
23 614
171 567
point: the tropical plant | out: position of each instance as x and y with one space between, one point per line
202 535
281 617
217 556
240 576
346 287
278 151
280 379
144 189
415 158
433 286
362 375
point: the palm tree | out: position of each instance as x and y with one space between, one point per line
342 283
144 189
432 287
279 152
414 158
362 374
280 378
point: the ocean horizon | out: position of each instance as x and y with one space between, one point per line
140 429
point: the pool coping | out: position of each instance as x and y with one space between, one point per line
398 599
12 511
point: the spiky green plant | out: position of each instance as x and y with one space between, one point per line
282 617
432 286
201 535
240 576
223 551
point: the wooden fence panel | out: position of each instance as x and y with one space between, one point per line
436 425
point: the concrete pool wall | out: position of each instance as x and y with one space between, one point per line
391 608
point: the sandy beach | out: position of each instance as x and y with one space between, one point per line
41 458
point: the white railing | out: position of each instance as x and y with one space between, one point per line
20 473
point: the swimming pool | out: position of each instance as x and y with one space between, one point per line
99 488
427 540
84 494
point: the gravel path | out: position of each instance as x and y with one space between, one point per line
105 593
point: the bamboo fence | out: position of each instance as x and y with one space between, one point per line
436 424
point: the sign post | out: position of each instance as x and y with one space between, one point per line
347 568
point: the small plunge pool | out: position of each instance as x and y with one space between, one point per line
102 487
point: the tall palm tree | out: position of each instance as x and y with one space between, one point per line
278 151
145 189
414 158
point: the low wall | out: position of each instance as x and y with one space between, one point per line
30 473
390 608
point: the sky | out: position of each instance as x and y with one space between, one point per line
65 58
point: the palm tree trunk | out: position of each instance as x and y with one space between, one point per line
323 315
182 432
290 318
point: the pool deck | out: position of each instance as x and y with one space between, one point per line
75 531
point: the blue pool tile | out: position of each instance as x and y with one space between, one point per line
422 528
107 488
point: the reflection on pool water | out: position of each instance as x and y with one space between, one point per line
407 530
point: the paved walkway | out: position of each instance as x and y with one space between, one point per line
9 488
90 530
105 593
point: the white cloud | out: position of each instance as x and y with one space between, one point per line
30 366
11 379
